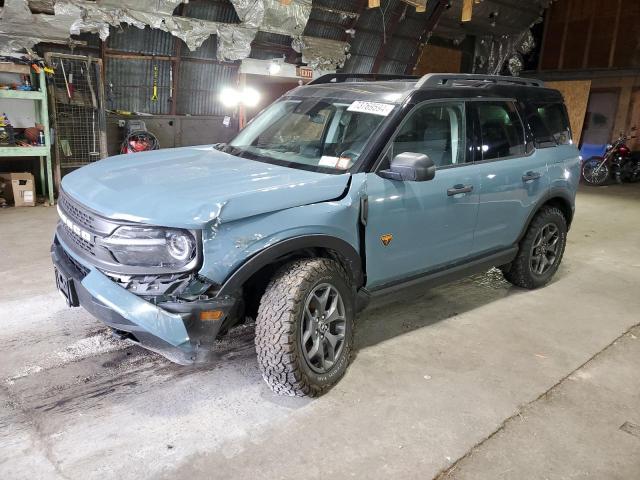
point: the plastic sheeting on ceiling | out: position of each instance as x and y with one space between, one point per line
22 29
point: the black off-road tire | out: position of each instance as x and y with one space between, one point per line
519 271
278 323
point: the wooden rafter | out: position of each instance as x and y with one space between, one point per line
467 10
421 5
374 3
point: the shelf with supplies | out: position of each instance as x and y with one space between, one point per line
42 117
22 94
11 151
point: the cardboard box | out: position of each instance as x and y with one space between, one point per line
19 189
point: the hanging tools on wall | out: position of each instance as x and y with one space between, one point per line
66 82
170 82
154 95
94 104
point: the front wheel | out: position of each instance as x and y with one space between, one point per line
540 252
595 171
304 327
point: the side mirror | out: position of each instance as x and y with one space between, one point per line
410 167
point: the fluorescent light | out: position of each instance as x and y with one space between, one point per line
274 68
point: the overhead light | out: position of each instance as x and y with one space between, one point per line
250 97
229 97
274 68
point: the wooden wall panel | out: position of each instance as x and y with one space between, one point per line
634 119
582 34
576 97
434 59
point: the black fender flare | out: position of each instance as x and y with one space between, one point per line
290 245
553 194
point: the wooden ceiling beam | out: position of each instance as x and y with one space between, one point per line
467 10
421 5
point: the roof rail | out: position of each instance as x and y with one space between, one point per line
442 79
345 77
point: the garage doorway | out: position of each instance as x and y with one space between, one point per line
601 116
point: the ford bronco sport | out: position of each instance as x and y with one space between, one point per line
348 188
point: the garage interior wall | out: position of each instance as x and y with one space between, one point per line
576 98
596 41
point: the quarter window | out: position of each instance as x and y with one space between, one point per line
436 130
501 130
550 125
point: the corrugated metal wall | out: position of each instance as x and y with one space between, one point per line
387 38
200 84
133 54
148 41
130 85
212 10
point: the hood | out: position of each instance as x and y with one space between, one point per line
188 187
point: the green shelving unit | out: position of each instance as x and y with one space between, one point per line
42 117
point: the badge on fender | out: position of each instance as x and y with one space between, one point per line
386 239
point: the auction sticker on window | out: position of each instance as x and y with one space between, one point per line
382 109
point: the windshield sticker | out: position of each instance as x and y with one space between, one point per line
326 161
382 109
343 163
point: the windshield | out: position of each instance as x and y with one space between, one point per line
322 135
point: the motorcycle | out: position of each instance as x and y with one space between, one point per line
618 163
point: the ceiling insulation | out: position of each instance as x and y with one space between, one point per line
21 28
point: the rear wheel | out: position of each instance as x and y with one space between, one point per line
595 171
541 250
304 327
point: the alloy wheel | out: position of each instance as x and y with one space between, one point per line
323 329
544 252
595 172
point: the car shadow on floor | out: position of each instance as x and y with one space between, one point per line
418 307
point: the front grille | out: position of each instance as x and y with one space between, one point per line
76 213
78 241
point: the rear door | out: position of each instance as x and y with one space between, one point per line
415 227
513 175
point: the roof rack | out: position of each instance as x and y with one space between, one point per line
345 77
442 79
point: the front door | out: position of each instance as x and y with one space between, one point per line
416 227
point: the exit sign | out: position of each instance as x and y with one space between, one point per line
305 72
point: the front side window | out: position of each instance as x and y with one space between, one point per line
436 130
316 134
550 125
501 130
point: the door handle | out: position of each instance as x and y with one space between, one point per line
529 176
456 189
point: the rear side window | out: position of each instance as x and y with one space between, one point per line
550 125
501 130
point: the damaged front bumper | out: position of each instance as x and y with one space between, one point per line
173 329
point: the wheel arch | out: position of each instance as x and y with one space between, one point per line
559 199
296 247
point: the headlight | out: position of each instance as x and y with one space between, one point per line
152 247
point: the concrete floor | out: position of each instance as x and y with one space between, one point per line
472 380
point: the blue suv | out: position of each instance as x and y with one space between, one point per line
351 187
